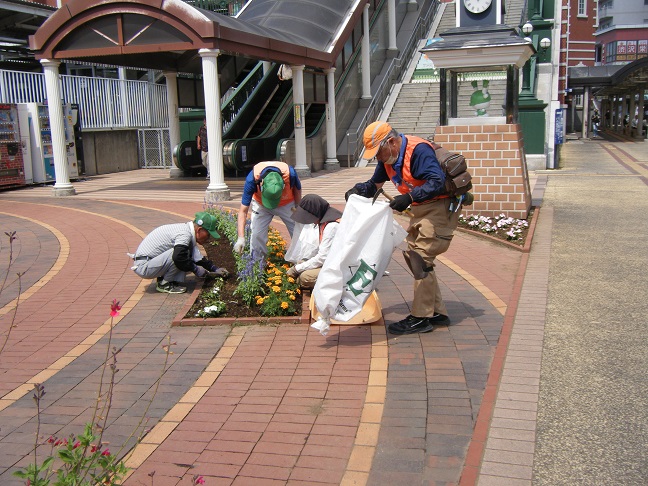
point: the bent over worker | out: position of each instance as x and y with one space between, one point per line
271 189
314 209
170 251
411 164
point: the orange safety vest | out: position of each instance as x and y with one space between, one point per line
287 194
407 180
323 225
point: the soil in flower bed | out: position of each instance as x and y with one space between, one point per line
220 252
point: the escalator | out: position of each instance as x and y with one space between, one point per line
240 114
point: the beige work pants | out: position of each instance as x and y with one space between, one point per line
430 232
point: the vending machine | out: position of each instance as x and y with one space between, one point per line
34 118
12 169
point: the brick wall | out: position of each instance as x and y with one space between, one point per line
496 161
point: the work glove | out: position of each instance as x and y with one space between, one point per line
239 246
207 264
401 203
218 273
364 189
200 271
292 272
350 192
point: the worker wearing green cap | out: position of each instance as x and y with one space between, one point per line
271 189
170 251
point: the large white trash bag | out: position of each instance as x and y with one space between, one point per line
304 243
359 255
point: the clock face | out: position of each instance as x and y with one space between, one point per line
477 6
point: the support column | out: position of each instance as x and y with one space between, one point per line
631 113
392 50
62 186
366 55
217 190
624 112
615 113
642 94
331 161
301 165
266 66
586 118
174 120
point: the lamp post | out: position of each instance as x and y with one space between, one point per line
543 44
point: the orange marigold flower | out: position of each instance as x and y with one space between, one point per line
284 305
291 280
298 291
291 297
276 289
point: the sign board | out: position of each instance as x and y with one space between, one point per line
558 137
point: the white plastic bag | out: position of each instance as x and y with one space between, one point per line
360 253
304 243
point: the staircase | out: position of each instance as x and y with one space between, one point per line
416 110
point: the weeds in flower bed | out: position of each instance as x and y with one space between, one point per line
500 226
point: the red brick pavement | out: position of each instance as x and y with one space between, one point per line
286 405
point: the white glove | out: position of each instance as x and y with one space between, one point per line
239 245
200 271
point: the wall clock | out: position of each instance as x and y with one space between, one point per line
477 6
478 13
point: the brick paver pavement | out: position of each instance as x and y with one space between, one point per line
247 405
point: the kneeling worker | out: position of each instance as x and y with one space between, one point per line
313 209
170 251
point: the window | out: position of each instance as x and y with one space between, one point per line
582 8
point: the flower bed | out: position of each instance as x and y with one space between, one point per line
500 227
256 291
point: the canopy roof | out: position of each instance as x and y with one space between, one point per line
167 34
611 78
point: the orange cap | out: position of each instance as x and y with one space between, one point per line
374 134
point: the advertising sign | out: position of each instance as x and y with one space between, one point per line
558 137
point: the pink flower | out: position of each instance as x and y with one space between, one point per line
51 439
199 480
77 444
106 452
94 448
115 308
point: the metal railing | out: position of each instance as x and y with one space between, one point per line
103 103
394 72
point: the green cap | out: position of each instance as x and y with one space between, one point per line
271 189
207 221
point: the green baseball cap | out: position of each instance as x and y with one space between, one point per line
207 221
272 187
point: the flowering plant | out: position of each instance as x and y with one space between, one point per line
501 226
261 282
214 306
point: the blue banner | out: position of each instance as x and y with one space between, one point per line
558 133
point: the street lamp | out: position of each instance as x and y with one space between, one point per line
544 44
